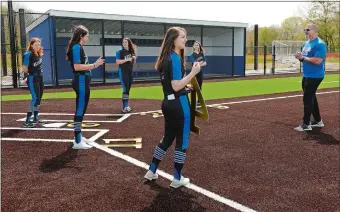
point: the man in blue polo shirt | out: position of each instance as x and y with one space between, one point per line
313 57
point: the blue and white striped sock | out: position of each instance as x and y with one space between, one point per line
157 157
77 132
180 156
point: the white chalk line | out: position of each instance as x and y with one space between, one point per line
191 186
100 133
155 111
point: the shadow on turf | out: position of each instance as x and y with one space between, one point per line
59 162
321 137
10 133
170 200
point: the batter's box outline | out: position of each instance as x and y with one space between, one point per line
121 118
100 133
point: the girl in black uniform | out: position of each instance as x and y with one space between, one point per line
126 58
198 56
32 69
175 105
81 80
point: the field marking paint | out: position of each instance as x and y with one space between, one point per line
68 114
85 121
122 117
325 82
125 116
100 133
36 139
191 186
270 98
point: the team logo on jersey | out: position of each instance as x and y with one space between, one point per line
305 50
127 56
199 59
37 63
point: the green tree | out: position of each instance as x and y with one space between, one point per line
326 15
292 28
268 34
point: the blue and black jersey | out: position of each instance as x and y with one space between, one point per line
33 62
123 54
77 55
35 84
172 70
177 116
197 57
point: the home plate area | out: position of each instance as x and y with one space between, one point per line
58 127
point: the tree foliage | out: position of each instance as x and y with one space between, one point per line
326 14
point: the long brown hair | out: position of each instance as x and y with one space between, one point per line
132 46
167 46
201 50
30 48
79 32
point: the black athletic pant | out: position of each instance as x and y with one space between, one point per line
81 85
177 126
126 79
199 78
36 86
310 102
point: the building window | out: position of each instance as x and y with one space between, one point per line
138 42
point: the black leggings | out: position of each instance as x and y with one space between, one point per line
81 85
177 126
199 78
310 102
126 79
36 86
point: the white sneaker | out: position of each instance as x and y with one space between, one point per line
128 108
317 124
178 183
81 145
125 110
151 176
303 127
87 141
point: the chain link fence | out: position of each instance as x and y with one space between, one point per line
275 60
224 49
23 31
6 64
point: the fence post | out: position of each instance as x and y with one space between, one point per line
103 50
256 52
3 48
273 60
53 77
22 30
244 51
12 43
265 59
300 62
233 53
54 34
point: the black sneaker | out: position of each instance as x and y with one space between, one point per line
35 122
303 127
28 125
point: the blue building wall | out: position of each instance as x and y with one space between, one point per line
43 31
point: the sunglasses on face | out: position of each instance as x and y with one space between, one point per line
307 30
